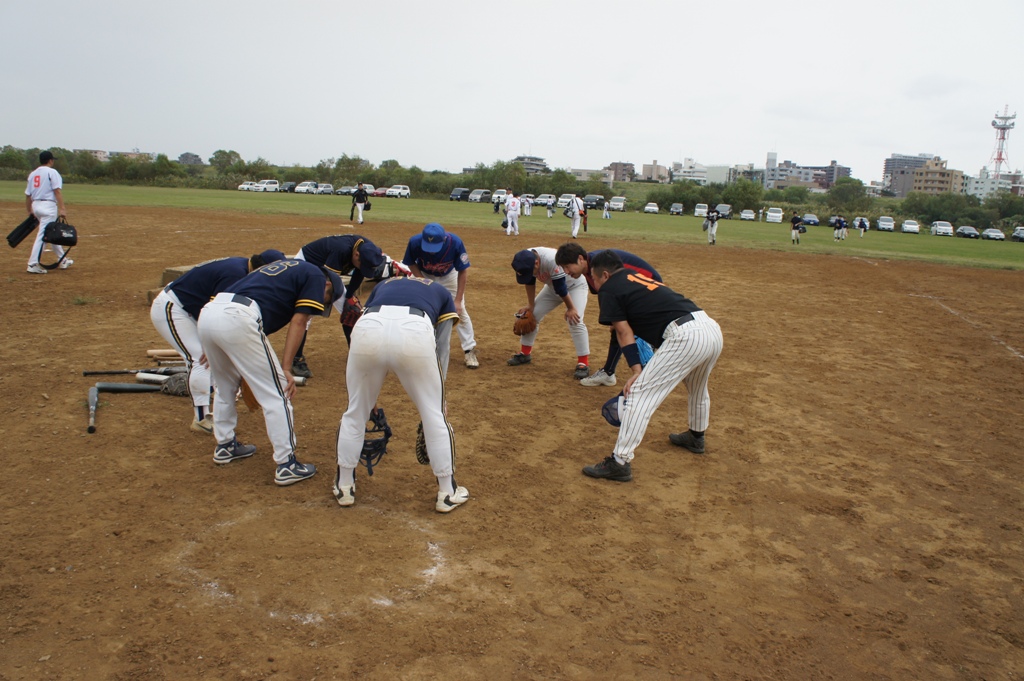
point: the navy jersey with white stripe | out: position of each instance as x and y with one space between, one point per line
335 253
283 288
423 294
200 284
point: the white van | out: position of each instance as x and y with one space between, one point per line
774 215
308 187
267 186
564 199
700 210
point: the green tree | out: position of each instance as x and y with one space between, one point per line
13 158
743 194
222 160
847 196
796 195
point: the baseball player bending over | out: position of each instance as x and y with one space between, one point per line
687 344
233 329
440 256
539 263
175 312
406 328
576 262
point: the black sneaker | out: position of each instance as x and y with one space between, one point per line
686 440
299 368
519 358
582 371
232 451
610 469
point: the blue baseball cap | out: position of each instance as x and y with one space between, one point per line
370 257
339 289
523 263
433 238
271 255
612 410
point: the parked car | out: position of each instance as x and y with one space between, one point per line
308 187
700 210
592 201
479 195
748 215
651 208
498 195
564 200
247 186
967 232
267 186
380 191
459 194
940 228
288 187
675 209
887 224
368 188
774 215
398 191
811 219
618 203
325 189
346 190
910 227
993 234
725 210
1018 234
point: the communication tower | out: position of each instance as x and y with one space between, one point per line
1003 124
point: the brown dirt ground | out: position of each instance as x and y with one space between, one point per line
857 516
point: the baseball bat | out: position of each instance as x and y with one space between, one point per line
94 399
165 371
166 352
126 388
156 379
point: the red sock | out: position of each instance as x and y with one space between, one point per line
526 349
583 359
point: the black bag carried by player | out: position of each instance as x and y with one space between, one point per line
568 211
368 205
60 233
23 230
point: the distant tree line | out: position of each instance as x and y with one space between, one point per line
226 169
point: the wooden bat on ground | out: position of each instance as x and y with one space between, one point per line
166 371
164 352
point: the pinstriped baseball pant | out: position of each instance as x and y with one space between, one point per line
687 355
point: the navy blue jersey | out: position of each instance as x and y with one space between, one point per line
452 255
196 287
630 261
283 288
335 253
423 294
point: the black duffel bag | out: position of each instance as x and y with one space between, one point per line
59 233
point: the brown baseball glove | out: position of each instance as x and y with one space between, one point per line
525 323
353 309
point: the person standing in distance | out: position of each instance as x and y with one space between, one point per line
862 225
527 206
578 214
512 205
359 198
438 255
687 344
794 234
539 263
45 200
551 207
406 328
712 218
175 312
233 329
607 210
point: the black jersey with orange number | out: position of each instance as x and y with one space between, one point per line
647 305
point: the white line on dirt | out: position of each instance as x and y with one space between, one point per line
1013 351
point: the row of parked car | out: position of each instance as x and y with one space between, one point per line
590 201
400 191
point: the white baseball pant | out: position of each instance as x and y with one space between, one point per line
513 223
688 354
712 231
177 327
231 332
395 339
359 212
465 326
547 300
576 219
46 212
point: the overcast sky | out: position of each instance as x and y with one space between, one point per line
451 83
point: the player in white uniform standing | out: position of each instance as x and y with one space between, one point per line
578 209
687 344
512 207
527 205
406 328
539 263
441 256
45 200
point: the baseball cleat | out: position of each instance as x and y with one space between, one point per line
345 497
230 451
35 269
686 440
610 469
599 378
519 358
68 262
293 472
582 371
447 501
472 361
299 368
204 426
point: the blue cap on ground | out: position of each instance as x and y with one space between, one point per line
433 238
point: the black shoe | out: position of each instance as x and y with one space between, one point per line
299 368
610 469
519 359
686 440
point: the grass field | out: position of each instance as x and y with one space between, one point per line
629 225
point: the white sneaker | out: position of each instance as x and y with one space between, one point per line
446 502
344 496
68 262
599 378
204 426
35 269
472 361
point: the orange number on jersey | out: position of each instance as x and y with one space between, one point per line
36 181
646 282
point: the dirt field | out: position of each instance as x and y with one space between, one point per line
857 515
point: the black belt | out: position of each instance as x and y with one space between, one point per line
412 310
688 317
241 300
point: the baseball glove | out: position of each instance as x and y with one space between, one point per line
421 446
350 315
525 323
176 384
